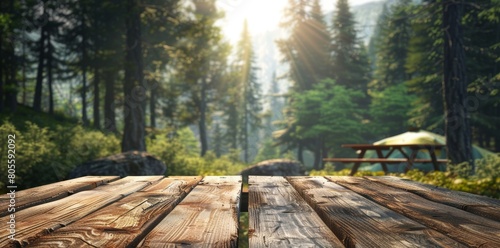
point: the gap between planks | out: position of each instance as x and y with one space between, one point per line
279 217
207 217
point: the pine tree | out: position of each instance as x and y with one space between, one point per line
392 46
41 50
482 40
457 126
350 65
202 65
250 87
134 92
390 98
11 25
425 55
306 50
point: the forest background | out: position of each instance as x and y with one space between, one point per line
86 79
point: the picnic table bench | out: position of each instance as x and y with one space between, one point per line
409 159
154 211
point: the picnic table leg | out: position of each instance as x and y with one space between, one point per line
357 164
413 155
432 152
384 166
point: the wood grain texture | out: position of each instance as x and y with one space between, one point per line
359 222
33 222
125 222
51 192
279 217
207 217
465 227
477 204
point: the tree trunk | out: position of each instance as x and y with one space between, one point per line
49 75
245 132
152 108
317 154
497 143
37 100
457 127
24 70
109 103
134 92
85 118
202 122
324 153
97 98
11 92
97 73
2 64
300 150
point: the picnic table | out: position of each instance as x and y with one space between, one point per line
154 211
409 159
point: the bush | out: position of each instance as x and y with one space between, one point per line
44 156
33 149
180 154
486 180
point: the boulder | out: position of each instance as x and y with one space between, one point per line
274 167
133 163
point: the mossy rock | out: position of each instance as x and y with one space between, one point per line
133 163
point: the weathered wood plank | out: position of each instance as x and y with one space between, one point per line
279 217
51 192
126 222
359 222
465 227
207 217
476 204
39 220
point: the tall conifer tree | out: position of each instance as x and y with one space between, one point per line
250 87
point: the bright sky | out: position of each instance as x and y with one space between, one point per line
262 15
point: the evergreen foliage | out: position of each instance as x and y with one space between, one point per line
248 90
148 68
349 58
391 46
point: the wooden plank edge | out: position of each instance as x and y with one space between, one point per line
145 180
465 232
68 236
398 228
83 186
423 190
149 239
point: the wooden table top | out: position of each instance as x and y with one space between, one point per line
154 211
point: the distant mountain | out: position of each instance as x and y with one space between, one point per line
366 16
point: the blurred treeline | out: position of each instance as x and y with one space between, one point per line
344 92
67 57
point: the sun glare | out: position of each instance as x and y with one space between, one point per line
262 16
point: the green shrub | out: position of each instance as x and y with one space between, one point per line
33 149
486 180
87 145
181 155
44 156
